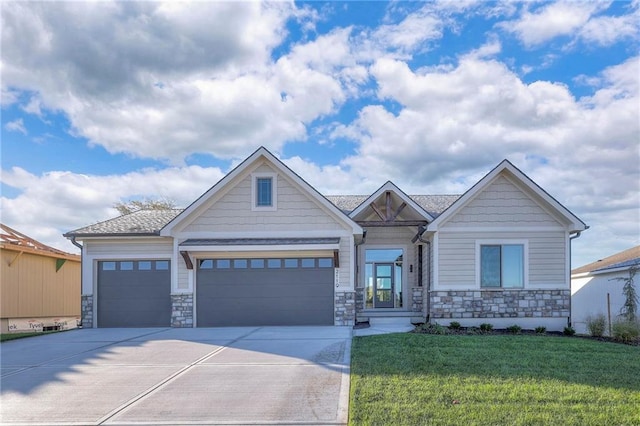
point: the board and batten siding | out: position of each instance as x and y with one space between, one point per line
502 204
457 257
296 211
31 286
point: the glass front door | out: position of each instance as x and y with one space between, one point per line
384 285
383 278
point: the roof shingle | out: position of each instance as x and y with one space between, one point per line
150 222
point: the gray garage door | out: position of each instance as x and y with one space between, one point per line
243 292
134 293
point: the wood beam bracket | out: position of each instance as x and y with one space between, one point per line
187 259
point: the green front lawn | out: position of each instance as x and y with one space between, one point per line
420 379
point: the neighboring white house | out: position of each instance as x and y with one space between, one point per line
263 247
591 283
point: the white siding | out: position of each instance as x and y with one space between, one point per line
589 297
457 258
296 211
502 204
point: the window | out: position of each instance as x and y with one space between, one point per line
126 266
144 265
223 263
108 266
240 263
264 191
162 265
325 263
502 265
257 263
274 263
291 263
206 264
308 263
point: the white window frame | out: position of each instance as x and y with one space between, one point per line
502 242
254 192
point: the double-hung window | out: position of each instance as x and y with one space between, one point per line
502 265
264 191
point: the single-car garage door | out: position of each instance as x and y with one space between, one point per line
134 293
244 292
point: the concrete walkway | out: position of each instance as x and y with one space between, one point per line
245 375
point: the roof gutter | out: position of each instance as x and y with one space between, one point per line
75 243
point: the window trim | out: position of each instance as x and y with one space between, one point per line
502 242
254 192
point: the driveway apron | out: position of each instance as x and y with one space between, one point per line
243 375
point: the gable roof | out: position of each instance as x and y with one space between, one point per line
622 259
432 204
138 223
390 186
261 152
575 224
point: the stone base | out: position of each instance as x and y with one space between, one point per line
500 304
182 310
345 308
86 310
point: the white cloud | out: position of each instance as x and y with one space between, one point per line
73 200
16 125
552 20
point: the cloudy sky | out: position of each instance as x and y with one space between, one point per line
112 101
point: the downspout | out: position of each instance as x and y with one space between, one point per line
357 263
418 237
571 238
77 244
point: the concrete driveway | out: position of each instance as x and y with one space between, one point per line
244 375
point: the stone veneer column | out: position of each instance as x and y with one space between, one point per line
86 310
417 299
359 299
182 310
345 308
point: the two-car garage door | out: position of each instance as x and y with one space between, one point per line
229 292
280 291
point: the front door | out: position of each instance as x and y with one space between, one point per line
384 285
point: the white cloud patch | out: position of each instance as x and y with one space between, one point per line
562 18
16 125
73 200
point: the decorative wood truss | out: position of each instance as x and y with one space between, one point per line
390 216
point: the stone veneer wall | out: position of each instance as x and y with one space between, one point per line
417 299
345 308
182 310
500 304
86 310
359 299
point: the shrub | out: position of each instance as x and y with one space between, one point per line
455 325
596 325
486 327
541 330
432 328
473 330
569 331
626 331
514 329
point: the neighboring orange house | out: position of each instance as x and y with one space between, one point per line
39 286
